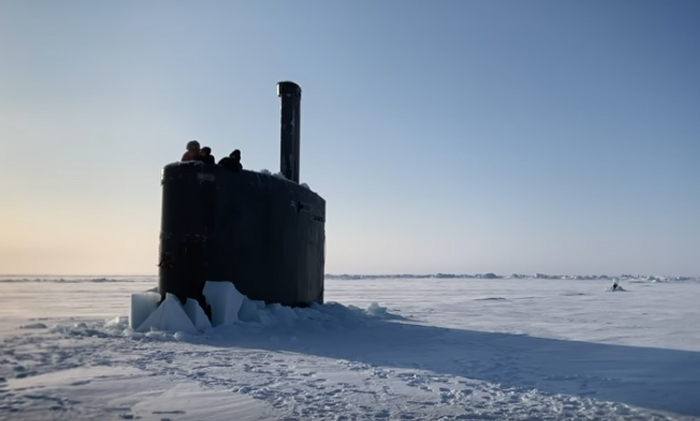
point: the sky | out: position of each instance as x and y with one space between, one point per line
451 136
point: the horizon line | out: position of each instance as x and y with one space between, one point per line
396 274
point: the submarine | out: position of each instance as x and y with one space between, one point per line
263 232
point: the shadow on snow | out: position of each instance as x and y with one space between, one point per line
652 378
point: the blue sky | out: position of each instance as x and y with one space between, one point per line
454 136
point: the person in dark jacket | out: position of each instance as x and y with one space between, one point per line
233 161
206 156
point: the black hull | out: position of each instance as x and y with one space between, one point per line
264 233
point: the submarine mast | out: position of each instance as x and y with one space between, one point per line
290 129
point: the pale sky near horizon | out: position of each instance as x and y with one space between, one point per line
450 136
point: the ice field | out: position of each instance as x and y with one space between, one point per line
384 349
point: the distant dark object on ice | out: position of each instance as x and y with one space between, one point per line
615 287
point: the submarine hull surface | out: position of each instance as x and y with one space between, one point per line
262 232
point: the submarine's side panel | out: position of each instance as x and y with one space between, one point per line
263 233
309 240
270 238
241 250
300 218
187 226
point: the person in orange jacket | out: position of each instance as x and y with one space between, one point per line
193 151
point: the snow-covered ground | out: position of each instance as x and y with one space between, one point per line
502 349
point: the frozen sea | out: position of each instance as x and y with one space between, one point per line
388 349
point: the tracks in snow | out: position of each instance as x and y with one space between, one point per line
292 385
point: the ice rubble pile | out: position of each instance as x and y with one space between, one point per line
170 315
228 306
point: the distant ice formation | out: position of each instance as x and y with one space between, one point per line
626 277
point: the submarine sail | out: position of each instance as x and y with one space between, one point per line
263 232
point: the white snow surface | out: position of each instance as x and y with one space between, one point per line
410 349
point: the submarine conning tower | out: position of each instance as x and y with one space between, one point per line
263 232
